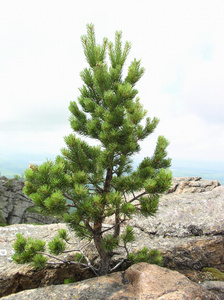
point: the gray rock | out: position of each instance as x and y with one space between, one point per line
192 185
14 205
185 215
215 287
140 281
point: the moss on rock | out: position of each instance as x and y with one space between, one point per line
214 274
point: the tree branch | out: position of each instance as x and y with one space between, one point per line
68 197
136 197
49 255
88 226
121 262
88 261
122 221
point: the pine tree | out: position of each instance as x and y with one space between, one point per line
91 183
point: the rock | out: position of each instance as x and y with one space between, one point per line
196 254
16 207
140 281
185 215
188 229
216 287
192 185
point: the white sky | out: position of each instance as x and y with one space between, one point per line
180 43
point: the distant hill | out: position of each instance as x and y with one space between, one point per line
16 165
11 165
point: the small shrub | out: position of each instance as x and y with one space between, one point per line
26 251
145 255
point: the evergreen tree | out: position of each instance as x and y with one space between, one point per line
91 183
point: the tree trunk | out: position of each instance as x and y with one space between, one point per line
117 224
105 264
105 257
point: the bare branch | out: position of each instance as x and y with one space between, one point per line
52 256
73 250
89 263
137 197
67 196
122 261
122 221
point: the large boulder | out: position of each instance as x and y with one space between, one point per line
140 281
17 208
189 223
188 229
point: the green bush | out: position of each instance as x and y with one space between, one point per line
145 255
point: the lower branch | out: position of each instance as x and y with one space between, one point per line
122 261
62 261
52 256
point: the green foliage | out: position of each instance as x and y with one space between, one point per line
146 255
75 222
57 246
63 234
69 280
19 244
149 205
109 242
87 183
39 261
128 235
26 251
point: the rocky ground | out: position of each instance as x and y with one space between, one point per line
140 281
188 230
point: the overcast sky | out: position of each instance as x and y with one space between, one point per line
180 44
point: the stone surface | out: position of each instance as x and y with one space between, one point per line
192 185
14 205
188 229
216 287
185 215
140 281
